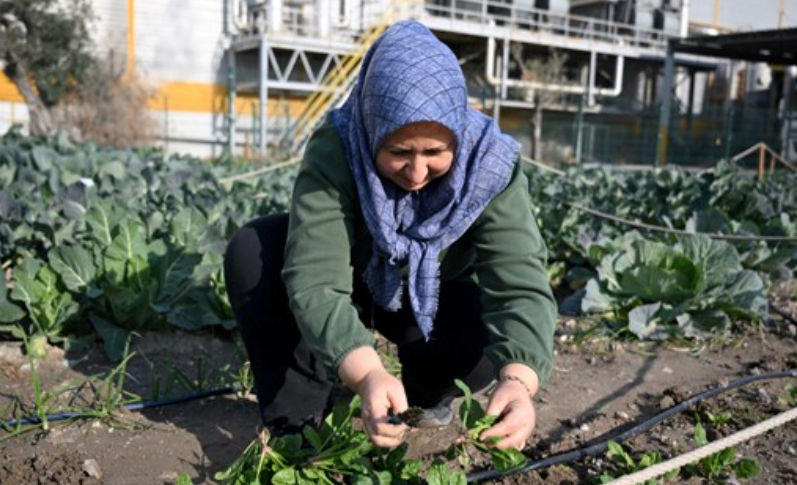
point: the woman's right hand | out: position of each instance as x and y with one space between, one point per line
363 372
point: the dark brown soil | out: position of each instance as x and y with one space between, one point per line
598 387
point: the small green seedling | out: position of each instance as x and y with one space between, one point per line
183 479
624 464
719 419
476 421
790 398
721 464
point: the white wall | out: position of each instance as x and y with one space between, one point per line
180 40
745 14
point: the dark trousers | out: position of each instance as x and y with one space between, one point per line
292 385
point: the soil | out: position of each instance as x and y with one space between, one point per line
599 386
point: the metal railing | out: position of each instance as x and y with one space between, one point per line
296 20
521 19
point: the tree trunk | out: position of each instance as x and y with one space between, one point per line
536 124
40 118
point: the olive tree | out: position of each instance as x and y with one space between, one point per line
548 72
46 51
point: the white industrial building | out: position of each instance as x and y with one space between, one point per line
239 74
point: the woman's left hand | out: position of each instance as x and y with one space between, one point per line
512 403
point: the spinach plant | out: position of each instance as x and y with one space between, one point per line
624 464
718 466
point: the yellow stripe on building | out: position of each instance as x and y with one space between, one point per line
212 98
190 98
8 90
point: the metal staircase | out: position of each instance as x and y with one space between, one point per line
339 80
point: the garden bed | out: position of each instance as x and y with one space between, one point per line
598 386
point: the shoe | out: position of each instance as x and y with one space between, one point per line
435 417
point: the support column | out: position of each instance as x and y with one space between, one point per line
231 102
263 95
666 103
593 67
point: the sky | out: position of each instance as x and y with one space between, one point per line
745 14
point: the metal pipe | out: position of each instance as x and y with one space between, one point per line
231 101
593 66
275 16
342 21
323 18
493 79
263 94
685 18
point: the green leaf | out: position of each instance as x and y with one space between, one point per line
115 170
26 289
439 474
704 323
102 219
128 243
595 299
43 157
311 435
73 210
9 312
286 476
470 411
75 266
748 295
644 320
700 435
746 468
411 469
183 479
114 338
718 259
508 459
188 227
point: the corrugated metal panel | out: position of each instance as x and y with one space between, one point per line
179 39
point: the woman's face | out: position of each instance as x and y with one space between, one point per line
416 154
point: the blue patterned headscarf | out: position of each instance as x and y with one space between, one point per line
409 76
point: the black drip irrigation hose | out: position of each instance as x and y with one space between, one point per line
134 406
603 445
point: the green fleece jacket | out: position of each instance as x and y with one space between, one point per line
329 245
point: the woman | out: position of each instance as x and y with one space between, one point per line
411 216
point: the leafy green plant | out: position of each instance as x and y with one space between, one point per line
720 419
48 306
721 464
692 289
335 450
183 479
790 398
477 421
624 464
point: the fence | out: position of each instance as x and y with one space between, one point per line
696 140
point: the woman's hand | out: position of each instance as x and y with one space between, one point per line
363 372
512 402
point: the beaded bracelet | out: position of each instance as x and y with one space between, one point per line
516 379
